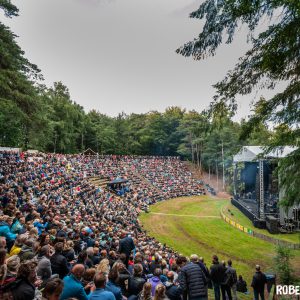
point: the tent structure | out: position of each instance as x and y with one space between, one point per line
16 150
255 153
89 151
117 181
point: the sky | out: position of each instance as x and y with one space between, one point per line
119 55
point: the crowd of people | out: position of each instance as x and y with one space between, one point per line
62 237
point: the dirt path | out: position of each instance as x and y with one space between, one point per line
176 215
223 253
212 180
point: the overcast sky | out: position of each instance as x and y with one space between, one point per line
119 55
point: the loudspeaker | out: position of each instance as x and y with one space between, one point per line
272 224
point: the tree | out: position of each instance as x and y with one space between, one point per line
273 58
283 265
18 94
8 8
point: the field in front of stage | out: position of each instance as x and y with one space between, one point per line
194 225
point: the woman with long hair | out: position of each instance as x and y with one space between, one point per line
103 266
13 264
160 293
3 266
68 251
146 292
53 289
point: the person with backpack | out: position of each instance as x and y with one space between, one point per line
217 272
258 283
232 271
226 284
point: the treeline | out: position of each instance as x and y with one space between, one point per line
34 116
45 118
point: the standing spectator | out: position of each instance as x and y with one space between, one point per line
258 283
126 246
217 272
191 280
59 264
100 293
73 286
173 291
226 283
232 271
195 259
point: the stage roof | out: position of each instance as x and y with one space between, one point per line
10 149
117 181
254 153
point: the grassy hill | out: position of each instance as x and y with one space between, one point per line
193 225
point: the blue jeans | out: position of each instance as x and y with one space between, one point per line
216 287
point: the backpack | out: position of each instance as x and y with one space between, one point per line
228 279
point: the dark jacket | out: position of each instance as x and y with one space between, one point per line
135 285
241 286
59 265
153 266
217 273
126 246
259 280
23 290
204 269
232 271
192 281
173 292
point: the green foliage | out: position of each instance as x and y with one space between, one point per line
283 265
273 58
9 9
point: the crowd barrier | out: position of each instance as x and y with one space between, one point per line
258 235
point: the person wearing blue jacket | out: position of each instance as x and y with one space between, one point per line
100 293
111 286
5 223
72 285
40 226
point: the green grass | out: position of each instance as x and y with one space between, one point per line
194 233
239 217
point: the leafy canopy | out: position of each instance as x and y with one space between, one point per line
274 58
